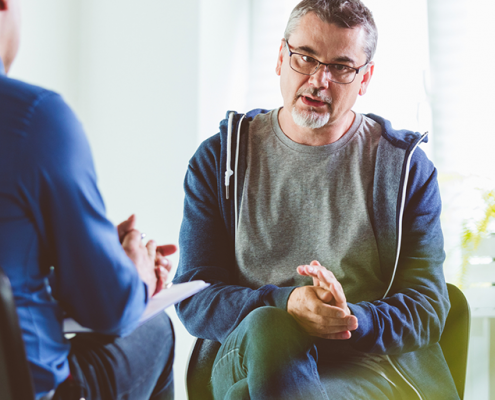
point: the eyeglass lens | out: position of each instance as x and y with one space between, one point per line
308 66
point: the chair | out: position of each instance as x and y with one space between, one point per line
199 369
454 344
15 376
455 337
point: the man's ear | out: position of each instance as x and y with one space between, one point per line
3 5
365 80
280 59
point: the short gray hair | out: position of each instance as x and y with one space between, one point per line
343 13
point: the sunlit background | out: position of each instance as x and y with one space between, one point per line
151 79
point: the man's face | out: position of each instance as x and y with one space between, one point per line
314 101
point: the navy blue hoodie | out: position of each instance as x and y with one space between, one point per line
405 324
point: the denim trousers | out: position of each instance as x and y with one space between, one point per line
269 356
134 367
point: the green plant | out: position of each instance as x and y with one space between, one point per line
472 236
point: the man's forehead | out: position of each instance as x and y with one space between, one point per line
318 38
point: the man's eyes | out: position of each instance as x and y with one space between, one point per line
336 68
339 68
308 59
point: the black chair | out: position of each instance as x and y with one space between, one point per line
15 377
455 337
199 369
454 343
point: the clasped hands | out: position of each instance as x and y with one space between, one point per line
150 260
321 310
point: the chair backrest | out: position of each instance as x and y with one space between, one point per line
15 376
455 337
199 369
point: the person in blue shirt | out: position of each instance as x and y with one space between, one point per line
63 257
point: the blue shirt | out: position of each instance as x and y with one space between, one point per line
52 215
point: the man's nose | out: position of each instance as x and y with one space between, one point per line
321 78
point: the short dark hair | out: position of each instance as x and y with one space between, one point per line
343 13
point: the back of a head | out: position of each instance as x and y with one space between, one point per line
343 13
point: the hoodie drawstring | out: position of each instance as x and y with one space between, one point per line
228 170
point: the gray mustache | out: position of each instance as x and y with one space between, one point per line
315 93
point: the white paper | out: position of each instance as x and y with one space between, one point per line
156 304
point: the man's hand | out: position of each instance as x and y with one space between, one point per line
326 279
126 226
143 258
163 265
309 306
322 309
137 252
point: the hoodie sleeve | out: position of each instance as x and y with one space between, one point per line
208 253
413 315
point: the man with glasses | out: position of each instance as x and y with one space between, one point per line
318 229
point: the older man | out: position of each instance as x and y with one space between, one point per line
319 231
52 215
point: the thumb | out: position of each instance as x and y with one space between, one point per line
151 247
324 295
125 227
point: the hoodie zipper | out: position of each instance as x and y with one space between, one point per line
399 243
228 170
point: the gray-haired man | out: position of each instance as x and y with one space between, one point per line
318 229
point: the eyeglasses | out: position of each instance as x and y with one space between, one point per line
307 65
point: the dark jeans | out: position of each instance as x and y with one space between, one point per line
268 356
138 366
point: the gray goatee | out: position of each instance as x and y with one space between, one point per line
311 118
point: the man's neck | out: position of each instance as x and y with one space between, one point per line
330 133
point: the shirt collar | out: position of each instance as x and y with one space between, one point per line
2 69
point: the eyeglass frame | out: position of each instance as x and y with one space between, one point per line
357 70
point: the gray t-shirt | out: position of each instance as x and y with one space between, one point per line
302 203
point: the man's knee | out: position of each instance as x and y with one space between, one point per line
271 326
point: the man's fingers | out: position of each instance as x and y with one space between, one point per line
325 295
320 307
132 240
166 249
334 287
333 325
327 280
162 261
328 314
151 247
161 278
301 270
126 226
339 336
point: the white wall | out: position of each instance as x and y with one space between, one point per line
130 71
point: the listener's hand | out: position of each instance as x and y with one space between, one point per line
163 265
126 226
143 258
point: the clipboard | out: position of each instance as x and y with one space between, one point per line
158 303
